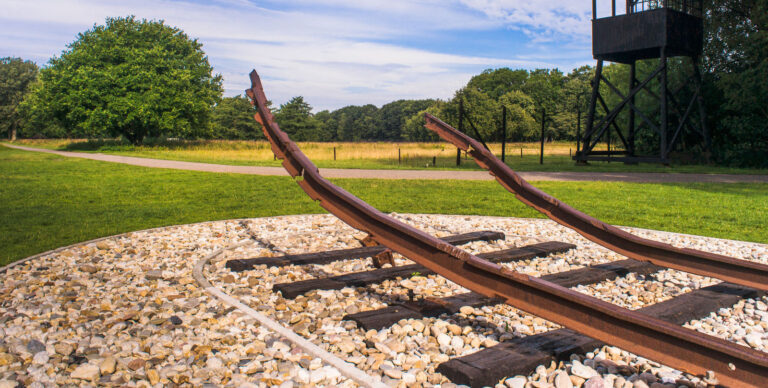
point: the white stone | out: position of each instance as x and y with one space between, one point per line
754 340
107 365
467 310
457 342
86 372
40 358
594 382
562 380
316 376
581 370
516 382
443 339
214 363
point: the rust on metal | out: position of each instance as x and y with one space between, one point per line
726 268
378 259
678 347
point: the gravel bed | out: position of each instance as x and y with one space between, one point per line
125 311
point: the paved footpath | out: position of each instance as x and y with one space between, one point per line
637 177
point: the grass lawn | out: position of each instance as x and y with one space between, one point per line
370 155
47 201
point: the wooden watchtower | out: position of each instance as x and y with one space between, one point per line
649 29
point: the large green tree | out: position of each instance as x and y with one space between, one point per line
296 119
129 77
736 65
15 76
233 119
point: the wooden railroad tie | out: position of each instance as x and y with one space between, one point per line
239 265
359 279
387 316
521 356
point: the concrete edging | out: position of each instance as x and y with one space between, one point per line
345 368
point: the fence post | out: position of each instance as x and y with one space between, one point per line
334 154
434 161
398 156
461 129
503 131
543 121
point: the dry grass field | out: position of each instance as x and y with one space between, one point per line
366 155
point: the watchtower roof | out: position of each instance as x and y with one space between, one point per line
647 27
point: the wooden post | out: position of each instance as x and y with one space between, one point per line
578 123
434 161
334 154
503 131
398 156
594 9
578 129
521 152
461 129
543 120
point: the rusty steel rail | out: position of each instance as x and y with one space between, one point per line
678 347
726 268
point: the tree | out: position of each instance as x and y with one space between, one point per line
134 78
296 119
390 119
521 123
413 129
736 62
232 118
15 77
496 83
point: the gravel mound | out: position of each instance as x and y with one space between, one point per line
126 311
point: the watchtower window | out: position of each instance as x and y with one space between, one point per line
691 7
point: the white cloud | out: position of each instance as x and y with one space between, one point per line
543 19
333 52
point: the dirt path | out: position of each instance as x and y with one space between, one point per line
636 177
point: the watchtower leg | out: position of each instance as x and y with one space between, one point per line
586 140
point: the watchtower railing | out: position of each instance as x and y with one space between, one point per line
691 7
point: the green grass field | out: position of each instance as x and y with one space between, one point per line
380 155
47 201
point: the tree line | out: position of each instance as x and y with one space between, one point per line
135 79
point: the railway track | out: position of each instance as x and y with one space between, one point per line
519 356
643 334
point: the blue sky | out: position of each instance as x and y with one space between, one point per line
333 52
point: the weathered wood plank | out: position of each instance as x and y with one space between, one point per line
356 279
385 317
526 252
359 279
520 356
601 272
239 265
432 307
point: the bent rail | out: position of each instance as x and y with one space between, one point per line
726 268
652 338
